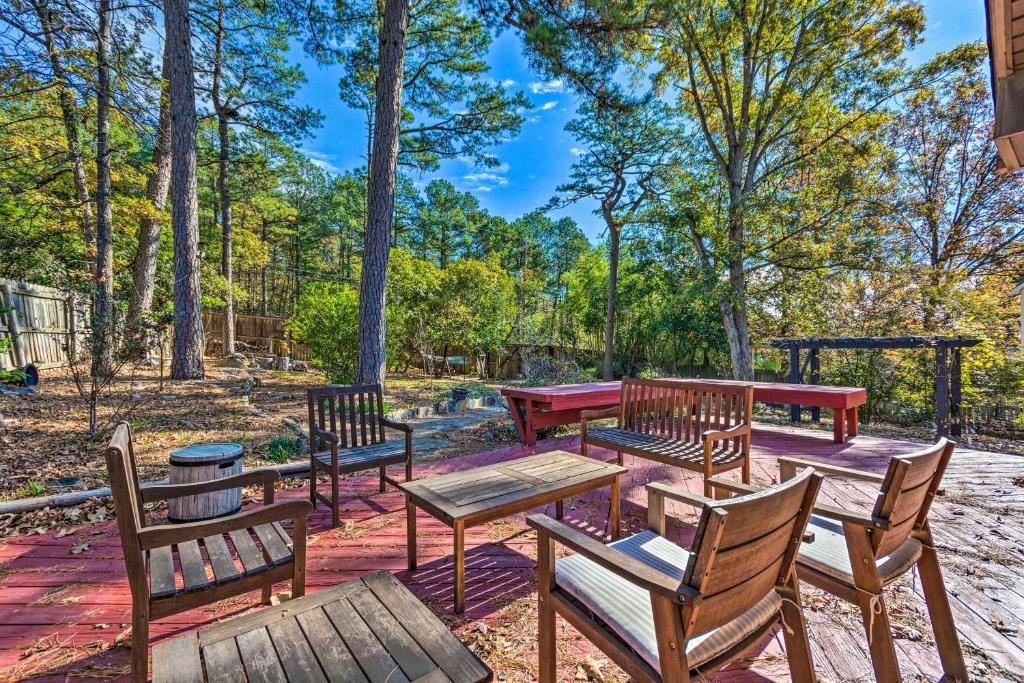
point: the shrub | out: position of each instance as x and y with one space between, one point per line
281 449
328 321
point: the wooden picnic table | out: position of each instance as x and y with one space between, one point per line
484 494
371 629
535 408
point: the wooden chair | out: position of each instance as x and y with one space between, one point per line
346 435
855 555
663 613
265 551
699 426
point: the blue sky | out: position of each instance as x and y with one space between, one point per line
538 159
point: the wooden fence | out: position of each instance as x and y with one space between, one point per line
253 333
41 323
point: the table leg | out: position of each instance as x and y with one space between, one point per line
613 509
410 532
460 567
837 425
516 407
851 421
559 509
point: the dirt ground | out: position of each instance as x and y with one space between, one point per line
44 435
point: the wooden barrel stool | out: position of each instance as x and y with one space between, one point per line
203 462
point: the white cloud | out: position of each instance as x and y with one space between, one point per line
486 177
323 160
508 83
576 151
555 85
549 105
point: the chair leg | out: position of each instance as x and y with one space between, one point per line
382 473
547 653
335 516
879 632
618 457
946 639
265 594
794 632
312 483
140 645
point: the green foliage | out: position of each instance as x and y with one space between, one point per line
327 321
31 489
281 449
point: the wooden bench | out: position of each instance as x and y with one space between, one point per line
695 425
346 435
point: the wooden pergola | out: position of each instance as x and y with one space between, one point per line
948 381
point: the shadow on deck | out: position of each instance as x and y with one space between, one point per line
61 613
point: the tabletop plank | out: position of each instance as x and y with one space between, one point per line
457 661
178 661
372 656
259 657
337 662
294 653
223 662
403 648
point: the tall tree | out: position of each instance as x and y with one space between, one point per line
250 85
103 318
959 216
158 181
188 344
381 194
629 146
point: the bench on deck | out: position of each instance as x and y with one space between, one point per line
698 426
535 408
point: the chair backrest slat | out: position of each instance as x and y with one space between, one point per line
907 493
352 413
745 547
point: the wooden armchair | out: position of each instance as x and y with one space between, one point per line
346 435
663 613
699 426
262 555
855 555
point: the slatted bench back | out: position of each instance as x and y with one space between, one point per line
907 494
745 547
683 409
353 413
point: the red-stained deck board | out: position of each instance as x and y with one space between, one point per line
68 602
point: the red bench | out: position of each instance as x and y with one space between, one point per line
535 408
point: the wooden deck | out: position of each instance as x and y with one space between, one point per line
60 612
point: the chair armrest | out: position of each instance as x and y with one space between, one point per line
852 517
315 431
713 435
159 536
733 486
618 563
400 426
789 466
603 414
679 495
158 492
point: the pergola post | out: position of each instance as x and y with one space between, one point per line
956 428
815 379
941 391
794 378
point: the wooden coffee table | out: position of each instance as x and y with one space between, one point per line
484 494
371 629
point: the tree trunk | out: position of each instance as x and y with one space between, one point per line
103 321
188 344
381 185
614 237
69 117
158 181
733 301
226 235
